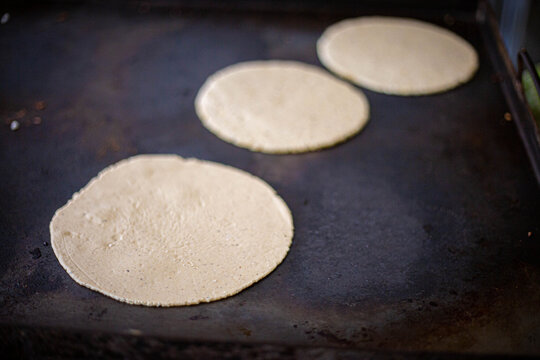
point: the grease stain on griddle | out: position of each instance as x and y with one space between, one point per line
40 105
39 279
36 253
428 228
97 313
245 331
363 335
111 144
20 114
186 92
333 338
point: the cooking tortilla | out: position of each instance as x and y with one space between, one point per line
396 55
280 107
160 230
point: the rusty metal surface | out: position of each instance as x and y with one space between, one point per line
421 233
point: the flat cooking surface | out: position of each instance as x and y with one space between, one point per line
412 235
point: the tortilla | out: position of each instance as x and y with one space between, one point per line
160 230
280 107
396 55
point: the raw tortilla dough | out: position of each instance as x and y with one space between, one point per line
160 230
397 56
280 107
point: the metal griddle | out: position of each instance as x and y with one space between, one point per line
419 234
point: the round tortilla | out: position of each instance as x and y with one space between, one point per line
280 107
397 56
160 230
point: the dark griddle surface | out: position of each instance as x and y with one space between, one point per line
412 235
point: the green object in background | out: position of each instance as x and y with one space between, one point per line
532 96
